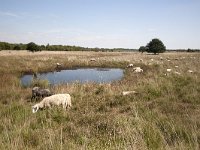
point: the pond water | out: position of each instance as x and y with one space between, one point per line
99 75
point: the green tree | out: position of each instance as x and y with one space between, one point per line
142 49
33 47
17 47
155 46
42 47
5 46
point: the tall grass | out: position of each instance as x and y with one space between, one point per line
163 115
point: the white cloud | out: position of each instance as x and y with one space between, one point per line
9 14
26 15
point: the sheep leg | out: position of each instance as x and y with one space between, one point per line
68 105
48 105
64 106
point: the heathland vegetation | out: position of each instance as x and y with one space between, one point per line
164 114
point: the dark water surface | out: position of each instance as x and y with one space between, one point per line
99 75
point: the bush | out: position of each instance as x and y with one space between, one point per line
40 83
142 49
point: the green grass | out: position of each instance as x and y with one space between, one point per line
163 115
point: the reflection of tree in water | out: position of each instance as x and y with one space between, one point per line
34 75
102 69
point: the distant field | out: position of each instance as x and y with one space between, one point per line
165 114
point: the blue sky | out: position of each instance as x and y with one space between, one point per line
101 23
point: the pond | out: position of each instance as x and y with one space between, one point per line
84 75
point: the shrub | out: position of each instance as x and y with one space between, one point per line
40 83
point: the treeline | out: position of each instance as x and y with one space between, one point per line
35 47
11 46
183 50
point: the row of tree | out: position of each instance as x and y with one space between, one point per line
34 47
154 46
10 46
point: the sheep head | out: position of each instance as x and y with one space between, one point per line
35 108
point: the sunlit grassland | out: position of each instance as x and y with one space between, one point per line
165 114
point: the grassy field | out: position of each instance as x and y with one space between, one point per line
165 114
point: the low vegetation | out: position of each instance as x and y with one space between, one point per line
164 114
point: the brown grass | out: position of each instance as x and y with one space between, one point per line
165 114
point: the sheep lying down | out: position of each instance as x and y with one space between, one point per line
54 100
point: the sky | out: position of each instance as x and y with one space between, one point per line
101 23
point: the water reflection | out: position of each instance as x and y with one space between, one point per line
99 75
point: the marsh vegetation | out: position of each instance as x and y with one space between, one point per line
164 114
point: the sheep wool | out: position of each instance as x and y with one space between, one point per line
54 100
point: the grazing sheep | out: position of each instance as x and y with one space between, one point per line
58 64
92 59
128 92
169 70
161 58
38 92
137 69
34 92
130 65
54 100
190 71
177 72
176 66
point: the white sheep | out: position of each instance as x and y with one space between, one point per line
169 70
190 71
57 99
177 72
130 65
92 59
137 69
58 64
128 92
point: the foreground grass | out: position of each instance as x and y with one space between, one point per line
165 114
